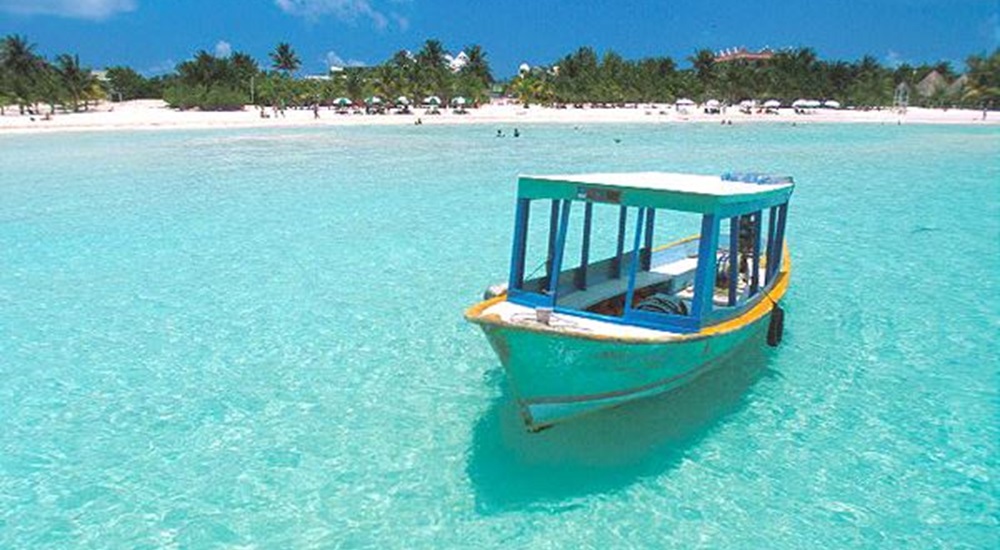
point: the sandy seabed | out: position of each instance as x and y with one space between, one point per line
154 114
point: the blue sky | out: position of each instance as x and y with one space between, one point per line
154 35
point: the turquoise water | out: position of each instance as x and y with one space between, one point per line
254 339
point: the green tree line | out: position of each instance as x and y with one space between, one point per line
585 77
30 82
208 82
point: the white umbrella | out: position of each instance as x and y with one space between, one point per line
772 104
402 100
811 104
712 104
374 100
458 101
342 101
432 100
747 103
799 103
684 101
832 104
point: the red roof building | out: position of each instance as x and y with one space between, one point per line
742 53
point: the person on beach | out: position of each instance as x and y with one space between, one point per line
315 111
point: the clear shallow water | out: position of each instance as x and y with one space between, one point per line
255 339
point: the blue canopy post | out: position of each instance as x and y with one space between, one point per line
779 239
734 264
755 276
516 279
771 225
581 273
647 248
704 277
633 268
560 246
553 229
622 220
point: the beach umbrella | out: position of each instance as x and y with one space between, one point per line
458 101
747 103
799 103
772 104
811 104
684 101
712 104
402 100
831 104
432 100
342 102
374 100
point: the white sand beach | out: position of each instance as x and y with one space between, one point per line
154 114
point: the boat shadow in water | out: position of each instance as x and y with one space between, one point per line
511 468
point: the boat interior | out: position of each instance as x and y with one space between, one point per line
654 287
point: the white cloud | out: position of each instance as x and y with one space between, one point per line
223 49
75 9
345 10
893 59
402 22
163 67
334 60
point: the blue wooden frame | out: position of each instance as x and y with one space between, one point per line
633 267
703 310
560 247
774 260
647 248
580 279
622 221
755 276
553 228
734 264
704 277
521 216
772 219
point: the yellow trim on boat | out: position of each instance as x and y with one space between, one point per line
475 315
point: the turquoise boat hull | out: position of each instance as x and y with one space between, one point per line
556 377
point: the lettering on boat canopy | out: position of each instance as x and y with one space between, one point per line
612 196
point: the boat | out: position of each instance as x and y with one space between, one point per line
611 317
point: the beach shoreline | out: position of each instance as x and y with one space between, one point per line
155 115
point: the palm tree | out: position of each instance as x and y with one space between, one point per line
478 66
703 63
284 59
76 80
245 71
23 68
243 65
983 87
431 71
354 83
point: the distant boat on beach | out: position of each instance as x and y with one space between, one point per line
589 334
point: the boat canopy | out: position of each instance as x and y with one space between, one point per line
670 191
715 276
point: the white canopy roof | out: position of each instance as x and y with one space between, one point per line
662 181
686 192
